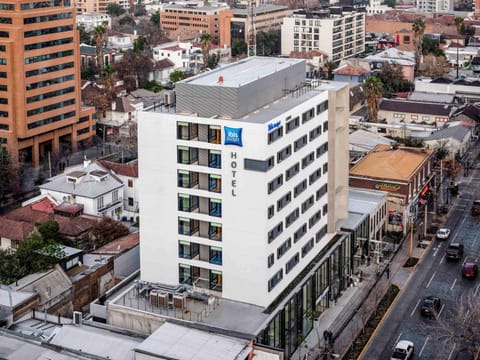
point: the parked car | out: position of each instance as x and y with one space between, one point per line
430 306
470 269
403 350
454 251
443 234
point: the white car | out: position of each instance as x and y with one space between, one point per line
443 234
403 350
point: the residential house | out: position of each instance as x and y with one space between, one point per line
92 20
88 56
121 117
454 39
457 140
461 55
161 71
12 232
177 52
314 59
353 71
466 88
90 185
119 41
404 59
128 174
404 40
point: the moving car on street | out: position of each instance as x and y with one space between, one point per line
454 251
430 306
470 269
403 350
443 234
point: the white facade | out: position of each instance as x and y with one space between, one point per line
434 6
339 37
177 52
264 232
462 56
92 20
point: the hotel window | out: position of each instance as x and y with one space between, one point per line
188 250
284 201
214 159
259 165
275 183
275 134
321 233
186 155
302 230
215 255
187 202
307 204
282 249
215 231
314 219
275 279
292 171
292 217
215 207
186 179
271 260
292 124
214 134
307 247
186 130
284 153
292 263
307 160
301 142
187 226
308 115
322 107
297 190
315 133
273 234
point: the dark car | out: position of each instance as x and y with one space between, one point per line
470 269
454 251
430 306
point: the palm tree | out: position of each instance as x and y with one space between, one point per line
458 24
99 35
418 28
206 44
373 94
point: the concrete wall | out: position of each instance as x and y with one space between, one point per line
131 319
127 263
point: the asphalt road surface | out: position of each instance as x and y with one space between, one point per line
435 276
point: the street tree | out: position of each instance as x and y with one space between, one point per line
134 68
99 35
393 80
212 61
85 36
176 76
239 47
418 28
115 10
206 45
49 230
458 24
328 68
155 18
9 173
373 95
268 42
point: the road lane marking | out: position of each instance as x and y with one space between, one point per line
396 341
441 309
451 352
435 251
415 308
453 285
476 290
456 234
430 281
443 258
423 347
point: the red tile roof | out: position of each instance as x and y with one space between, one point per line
14 230
349 69
163 64
129 170
45 205
69 208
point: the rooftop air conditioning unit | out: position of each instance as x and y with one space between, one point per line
169 98
179 302
77 317
162 300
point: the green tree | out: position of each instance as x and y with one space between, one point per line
107 230
99 34
85 36
212 61
153 86
468 31
328 70
134 69
393 81
458 24
418 28
115 10
268 42
49 230
239 47
155 18
9 173
205 44
373 94
176 76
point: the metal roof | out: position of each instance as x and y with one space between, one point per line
456 132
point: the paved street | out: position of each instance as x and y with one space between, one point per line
437 277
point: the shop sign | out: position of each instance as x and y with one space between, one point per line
387 187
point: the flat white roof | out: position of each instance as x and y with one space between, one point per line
179 342
17 297
364 201
242 72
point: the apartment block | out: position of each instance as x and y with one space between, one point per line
338 34
214 20
435 6
96 6
40 106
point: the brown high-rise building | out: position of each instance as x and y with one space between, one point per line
40 99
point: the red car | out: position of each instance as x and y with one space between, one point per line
470 270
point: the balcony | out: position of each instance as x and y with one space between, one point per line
103 207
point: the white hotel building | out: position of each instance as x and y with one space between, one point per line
243 186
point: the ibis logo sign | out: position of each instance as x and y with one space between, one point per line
233 136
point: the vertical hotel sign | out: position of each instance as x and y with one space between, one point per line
233 136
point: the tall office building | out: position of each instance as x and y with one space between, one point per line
40 100
242 186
